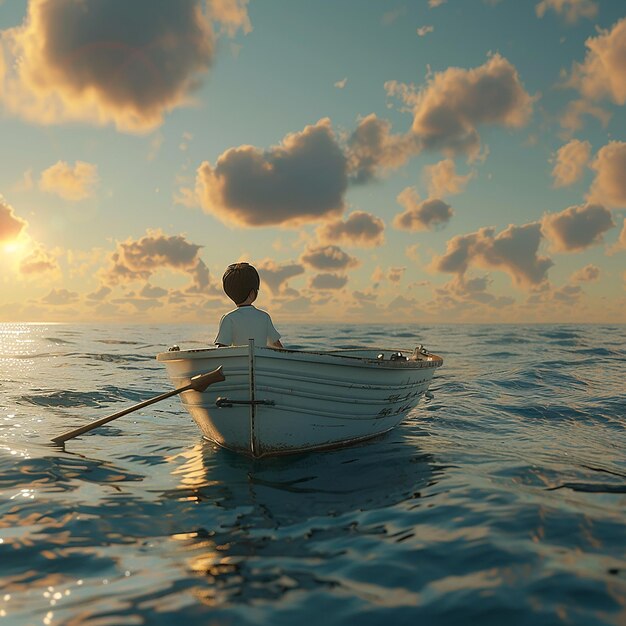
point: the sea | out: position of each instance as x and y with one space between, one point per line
501 500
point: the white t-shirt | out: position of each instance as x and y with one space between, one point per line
246 322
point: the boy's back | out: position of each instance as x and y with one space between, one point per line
246 322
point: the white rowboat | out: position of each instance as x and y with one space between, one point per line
279 401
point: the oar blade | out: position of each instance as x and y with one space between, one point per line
202 381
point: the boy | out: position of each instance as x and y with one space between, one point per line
241 283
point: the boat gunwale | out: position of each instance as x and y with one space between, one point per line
429 360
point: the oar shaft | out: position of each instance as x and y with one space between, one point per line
109 418
199 383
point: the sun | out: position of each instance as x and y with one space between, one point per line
10 247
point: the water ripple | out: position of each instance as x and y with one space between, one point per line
499 500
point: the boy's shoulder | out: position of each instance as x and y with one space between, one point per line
247 310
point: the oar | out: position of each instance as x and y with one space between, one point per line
198 383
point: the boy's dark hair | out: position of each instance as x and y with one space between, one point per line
239 280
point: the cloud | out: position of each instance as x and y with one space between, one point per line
572 10
39 261
620 244
232 15
329 257
26 181
377 276
609 185
122 62
442 179
359 229
99 295
424 30
201 279
373 148
140 304
513 251
454 103
586 274
572 118
461 292
150 291
436 3
302 180
10 224
567 294
602 74
276 276
577 227
328 281
571 160
340 84
139 259
421 215
395 274
412 252
60 297
70 183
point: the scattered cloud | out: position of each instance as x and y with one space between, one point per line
609 185
461 293
436 3
586 274
389 17
377 276
424 30
395 274
372 149
571 10
340 84
10 224
276 275
302 180
412 252
359 229
70 183
328 258
620 244
572 118
601 75
126 63
140 259
328 281
232 15
150 291
38 261
25 183
183 146
442 179
571 160
99 295
420 215
60 297
514 251
454 103
577 227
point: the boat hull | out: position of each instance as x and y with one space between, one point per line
294 401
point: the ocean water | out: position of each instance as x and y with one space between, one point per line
500 500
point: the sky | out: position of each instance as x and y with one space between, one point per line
423 161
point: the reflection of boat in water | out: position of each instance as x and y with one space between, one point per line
257 529
300 487
285 401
